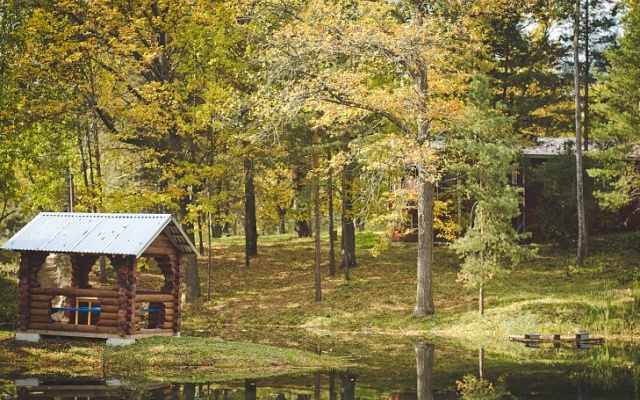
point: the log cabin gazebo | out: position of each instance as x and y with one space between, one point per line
111 313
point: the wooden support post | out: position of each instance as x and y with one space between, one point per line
30 264
126 267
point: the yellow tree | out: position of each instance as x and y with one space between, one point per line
160 77
404 61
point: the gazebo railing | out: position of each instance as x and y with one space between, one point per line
101 311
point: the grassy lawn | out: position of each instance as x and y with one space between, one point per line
257 311
546 295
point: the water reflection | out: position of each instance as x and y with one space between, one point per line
417 371
424 364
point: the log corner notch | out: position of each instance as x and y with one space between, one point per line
86 237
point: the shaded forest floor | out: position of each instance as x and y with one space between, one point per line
546 295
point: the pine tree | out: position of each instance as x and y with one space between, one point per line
489 154
619 97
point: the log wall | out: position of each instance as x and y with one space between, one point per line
119 308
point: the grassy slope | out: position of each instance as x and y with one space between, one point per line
261 303
547 295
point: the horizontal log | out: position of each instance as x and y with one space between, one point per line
40 311
152 292
43 305
169 305
108 308
41 297
169 312
114 309
107 322
158 251
105 315
39 318
155 298
73 328
108 301
75 292
168 318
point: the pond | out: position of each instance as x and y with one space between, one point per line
398 368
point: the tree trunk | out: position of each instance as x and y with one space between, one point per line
316 388
250 389
332 251
201 227
348 243
250 224
191 276
426 202
481 362
587 81
316 210
481 300
282 214
424 364
348 386
302 228
582 223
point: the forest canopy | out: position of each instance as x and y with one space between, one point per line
216 111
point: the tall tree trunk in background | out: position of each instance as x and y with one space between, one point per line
424 292
587 80
316 210
250 223
332 252
191 277
282 214
98 184
582 223
301 225
348 243
426 188
201 224
302 228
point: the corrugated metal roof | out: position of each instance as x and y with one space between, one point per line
550 146
126 234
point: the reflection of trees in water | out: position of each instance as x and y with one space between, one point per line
342 383
476 387
610 366
348 386
424 364
250 389
594 367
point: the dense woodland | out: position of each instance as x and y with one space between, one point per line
261 117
